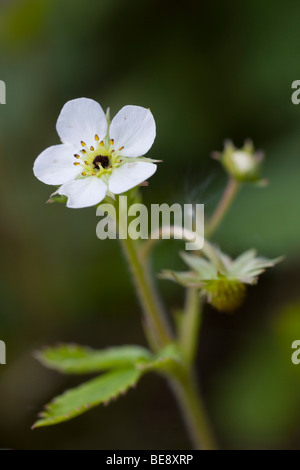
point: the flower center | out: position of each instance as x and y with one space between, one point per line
102 160
99 159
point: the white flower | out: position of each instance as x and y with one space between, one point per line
95 157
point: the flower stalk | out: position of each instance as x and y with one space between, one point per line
190 325
182 383
229 194
155 317
189 400
158 333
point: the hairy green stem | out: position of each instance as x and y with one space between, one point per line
182 384
193 411
159 334
228 196
190 324
155 321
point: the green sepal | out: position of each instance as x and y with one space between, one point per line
55 197
139 159
185 278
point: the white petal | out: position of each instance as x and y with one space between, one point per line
84 192
129 175
134 129
55 165
80 120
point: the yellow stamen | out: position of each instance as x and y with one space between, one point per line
102 143
86 162
96 138
76 156
121 148
83 151
76 163
83 173
112 141
92 149
83 144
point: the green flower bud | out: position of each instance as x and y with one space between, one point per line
243 164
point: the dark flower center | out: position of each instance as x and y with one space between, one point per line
101 160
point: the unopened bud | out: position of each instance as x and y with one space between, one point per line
243 164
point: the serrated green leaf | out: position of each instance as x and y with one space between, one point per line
78 400
75 359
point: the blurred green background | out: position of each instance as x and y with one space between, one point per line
208 71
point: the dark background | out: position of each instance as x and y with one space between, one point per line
208 71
